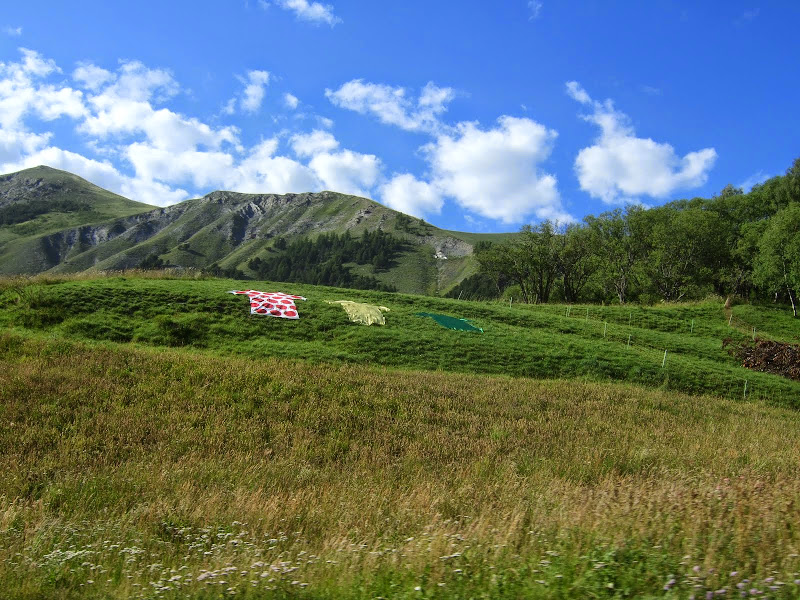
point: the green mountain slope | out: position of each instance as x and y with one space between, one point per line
42 201
84 227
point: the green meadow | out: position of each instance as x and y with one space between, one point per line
587 343
159 442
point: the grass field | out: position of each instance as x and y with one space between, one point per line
170 446
593 343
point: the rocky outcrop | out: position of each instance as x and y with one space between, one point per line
135 229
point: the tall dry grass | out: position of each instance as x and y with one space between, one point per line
133 473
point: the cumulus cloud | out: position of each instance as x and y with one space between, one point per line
496 173
314 12
261 171
143 149
576 92
34 64
104 174
162 127
254 91
621 166
91 76
14 145
154 154
23 93
136 82
290 101
252 96
391 105
200 168
309 144
346 171
124 106
408 194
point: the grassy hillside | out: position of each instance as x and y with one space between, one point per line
591 343
54 221
87 203
136 472
41 201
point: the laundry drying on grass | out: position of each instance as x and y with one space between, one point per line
359 312
272 304
451 322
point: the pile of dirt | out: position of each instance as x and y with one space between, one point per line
767 356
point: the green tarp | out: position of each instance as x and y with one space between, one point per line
368 314
451 322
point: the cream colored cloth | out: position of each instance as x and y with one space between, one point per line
359 312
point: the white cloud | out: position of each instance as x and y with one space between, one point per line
495 173
124 107
51 103
22 93
103 174
535 6
309 144
262 172
576 92
391 104
202 168
163 128
621 166
315 12
13 31
254 91
230 107
14 145
346 171
252 95
91 76
754 179
169 156
290 101
408 194
34 64
154 154
138 83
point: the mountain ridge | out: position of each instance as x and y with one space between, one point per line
220 230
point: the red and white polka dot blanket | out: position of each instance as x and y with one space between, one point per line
273 304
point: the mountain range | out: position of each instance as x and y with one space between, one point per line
54 221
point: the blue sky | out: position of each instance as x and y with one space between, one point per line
475 115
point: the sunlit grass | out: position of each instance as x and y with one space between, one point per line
158 442
593 343
168 473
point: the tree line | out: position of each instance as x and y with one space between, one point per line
19 212
323 260
734 244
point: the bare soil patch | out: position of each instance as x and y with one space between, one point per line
767 356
